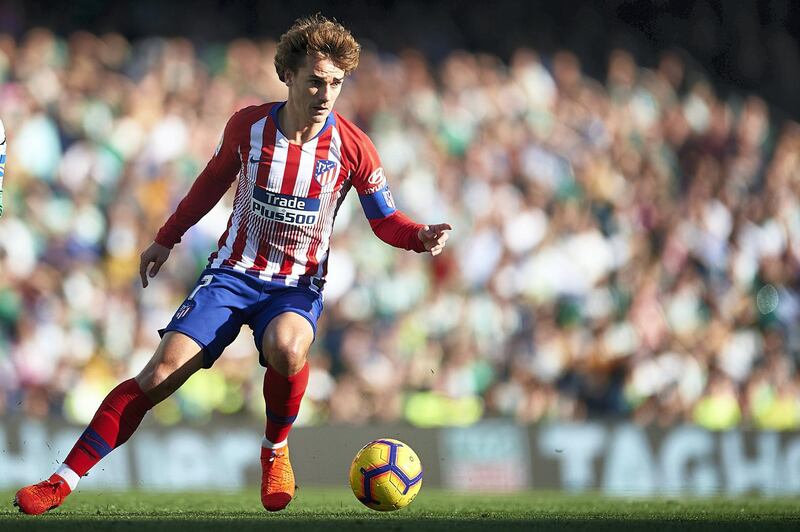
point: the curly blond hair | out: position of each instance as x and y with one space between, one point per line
316 36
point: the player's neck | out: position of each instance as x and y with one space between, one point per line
294 128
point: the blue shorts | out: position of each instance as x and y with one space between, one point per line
223 300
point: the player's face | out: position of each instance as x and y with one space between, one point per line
313 89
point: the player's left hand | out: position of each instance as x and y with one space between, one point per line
434 237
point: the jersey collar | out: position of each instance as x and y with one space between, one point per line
273 113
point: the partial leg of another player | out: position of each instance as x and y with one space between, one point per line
285 345
175 360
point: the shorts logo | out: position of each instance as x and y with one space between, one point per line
325 171
184 309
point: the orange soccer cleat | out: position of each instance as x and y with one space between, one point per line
277 478
46 495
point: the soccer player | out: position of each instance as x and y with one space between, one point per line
295 160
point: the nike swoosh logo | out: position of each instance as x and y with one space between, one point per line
256 161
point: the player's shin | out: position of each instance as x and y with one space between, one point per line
282 395
116 419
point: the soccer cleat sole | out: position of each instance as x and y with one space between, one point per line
279 504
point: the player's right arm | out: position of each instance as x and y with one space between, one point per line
207 190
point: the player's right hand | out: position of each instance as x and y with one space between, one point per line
156 254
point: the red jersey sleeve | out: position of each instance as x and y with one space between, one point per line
387 222
208 188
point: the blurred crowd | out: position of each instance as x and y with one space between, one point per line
623 248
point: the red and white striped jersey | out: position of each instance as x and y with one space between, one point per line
287 196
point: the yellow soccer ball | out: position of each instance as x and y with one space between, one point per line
386 475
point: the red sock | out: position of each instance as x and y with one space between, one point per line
117 418
283 396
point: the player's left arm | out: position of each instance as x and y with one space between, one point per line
389 223
400 231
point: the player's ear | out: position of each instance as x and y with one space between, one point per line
288 77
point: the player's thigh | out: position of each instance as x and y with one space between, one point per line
176 359
284 327
214 311
286 341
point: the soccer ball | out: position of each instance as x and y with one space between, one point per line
386 475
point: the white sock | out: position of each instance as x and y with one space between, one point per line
72 478
265 443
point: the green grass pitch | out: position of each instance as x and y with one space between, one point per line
336 509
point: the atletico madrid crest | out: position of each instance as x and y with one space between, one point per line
184 309
325 171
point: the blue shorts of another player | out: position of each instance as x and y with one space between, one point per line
223 300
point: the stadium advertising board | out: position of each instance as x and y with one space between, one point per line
613 458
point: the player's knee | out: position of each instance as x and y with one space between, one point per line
154 375
288 357
164 374
175 360
164 371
